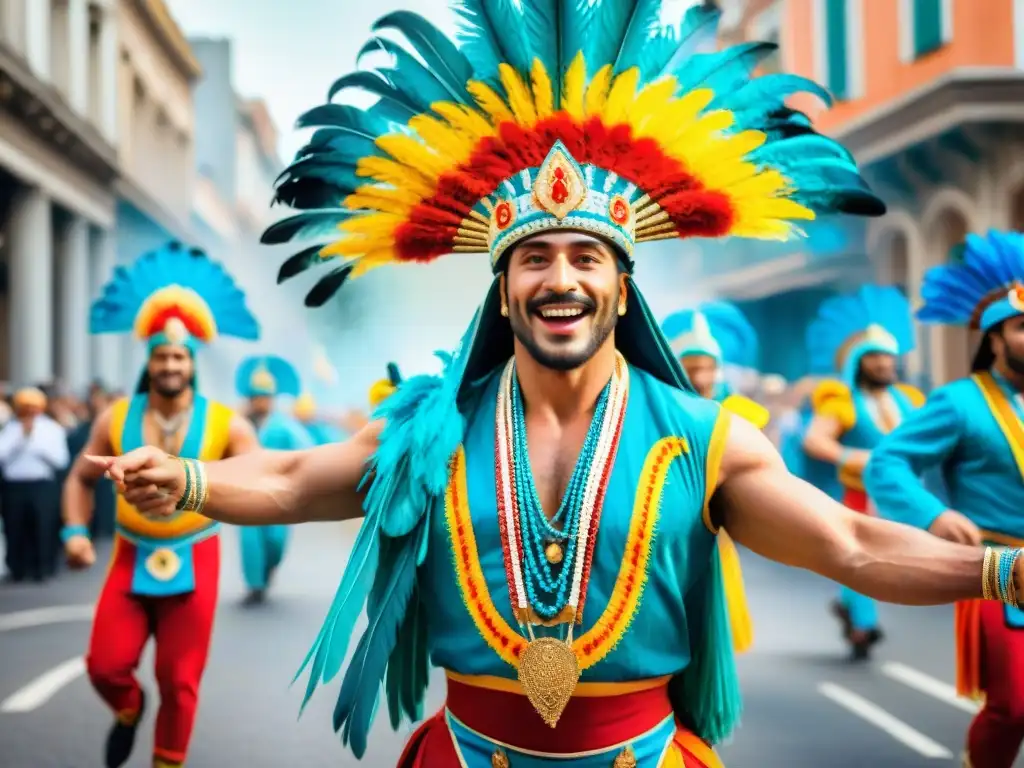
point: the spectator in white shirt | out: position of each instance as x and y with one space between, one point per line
33 453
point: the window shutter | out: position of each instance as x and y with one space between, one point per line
927 26
836 48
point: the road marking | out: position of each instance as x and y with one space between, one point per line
881 719
40 690
928 685
38 617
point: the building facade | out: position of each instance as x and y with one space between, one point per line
929 96
156 144
58 167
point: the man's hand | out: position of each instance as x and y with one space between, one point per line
79 552
149 479
953 526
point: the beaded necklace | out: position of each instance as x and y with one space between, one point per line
548 665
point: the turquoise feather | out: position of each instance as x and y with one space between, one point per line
488 39
389 598
394 104
305 225
698 30
437 51
706 695
644 22
410 76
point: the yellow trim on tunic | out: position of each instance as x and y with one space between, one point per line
1004 414
216 437
716 450
595 644
746 408
735 594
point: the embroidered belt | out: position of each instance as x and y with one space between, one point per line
600 716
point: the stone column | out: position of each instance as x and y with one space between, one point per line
78 55
104 349
73 303
109 58
37 37
30 275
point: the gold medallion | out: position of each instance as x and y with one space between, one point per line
499 759
549 672
553 553
163 564
625 759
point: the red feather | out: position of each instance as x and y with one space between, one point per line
433 223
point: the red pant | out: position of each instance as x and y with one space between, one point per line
995 735
182 626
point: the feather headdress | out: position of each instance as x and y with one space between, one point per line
874 319
267 375
569 114
717 329
174 295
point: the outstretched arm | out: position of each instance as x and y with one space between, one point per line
259 487
781 517
925 439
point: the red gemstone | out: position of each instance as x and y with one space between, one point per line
559 173
559 191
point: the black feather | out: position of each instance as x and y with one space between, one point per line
328 285
300 262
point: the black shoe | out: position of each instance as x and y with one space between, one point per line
256 597
841 612
861 647
121 738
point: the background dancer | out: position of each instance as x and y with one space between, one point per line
260 379
973 430
860 336
164 572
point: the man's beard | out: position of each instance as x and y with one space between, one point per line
558 360
1015 362
167 390
872 381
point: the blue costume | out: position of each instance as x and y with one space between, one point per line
268 376
973 430
875 319
561 639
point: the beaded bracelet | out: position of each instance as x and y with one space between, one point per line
69 532
193 498
999 568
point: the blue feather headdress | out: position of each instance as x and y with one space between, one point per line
874 319
549 115
718 329
267 375
174 295
982 286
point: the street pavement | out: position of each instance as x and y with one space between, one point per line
805 705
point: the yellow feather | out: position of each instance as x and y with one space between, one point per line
621 96
543 96
765 229
763 184
648 103
677 116
397 201
573 86
490 102
731 148
413 154
373 225
519 98
470 122
597 91
442 138
784 208
372 260
705 131
387 171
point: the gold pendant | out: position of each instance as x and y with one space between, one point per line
549 672
626 759
163 564
499 759
553 553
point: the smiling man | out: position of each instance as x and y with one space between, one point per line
541 519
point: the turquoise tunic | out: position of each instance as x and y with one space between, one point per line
956 432
867 431
656 636
263 546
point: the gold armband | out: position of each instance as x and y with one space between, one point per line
193 498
